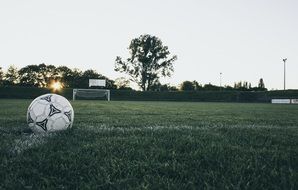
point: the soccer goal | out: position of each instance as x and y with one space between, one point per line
91 94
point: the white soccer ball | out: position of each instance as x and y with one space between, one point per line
50 112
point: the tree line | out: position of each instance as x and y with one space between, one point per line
238 86
43 76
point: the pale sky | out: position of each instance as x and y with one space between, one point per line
244 39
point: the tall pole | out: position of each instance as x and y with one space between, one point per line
284 60
220 80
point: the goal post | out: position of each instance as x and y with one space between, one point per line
91 93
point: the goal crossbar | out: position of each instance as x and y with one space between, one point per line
91 93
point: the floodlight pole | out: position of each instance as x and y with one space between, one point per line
284 60
220 75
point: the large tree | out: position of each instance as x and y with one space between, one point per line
149 61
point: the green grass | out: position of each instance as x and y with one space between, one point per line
154 145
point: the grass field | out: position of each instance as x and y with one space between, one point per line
153 145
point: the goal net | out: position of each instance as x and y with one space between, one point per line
91 94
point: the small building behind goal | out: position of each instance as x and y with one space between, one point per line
92 93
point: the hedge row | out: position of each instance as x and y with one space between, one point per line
208 96
204 96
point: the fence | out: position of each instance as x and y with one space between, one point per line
207 96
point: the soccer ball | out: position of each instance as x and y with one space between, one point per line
50 112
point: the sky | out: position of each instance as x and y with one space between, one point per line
245 40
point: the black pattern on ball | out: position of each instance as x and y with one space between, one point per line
30 120
53 110
47 98
43 124
68 114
